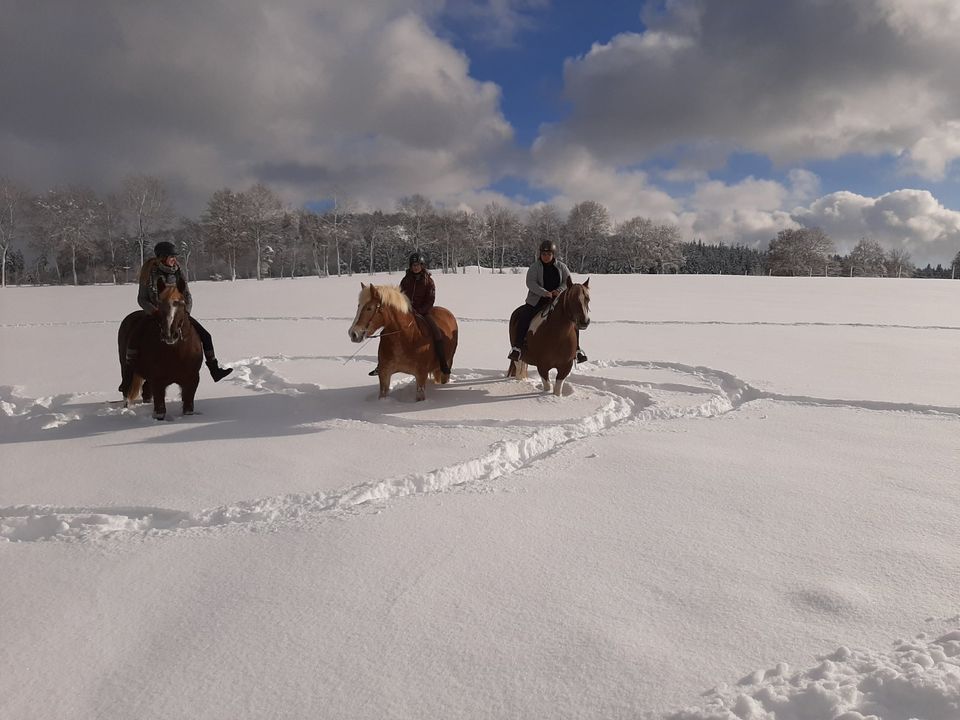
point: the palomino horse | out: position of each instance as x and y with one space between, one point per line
169 353
406 343
553 345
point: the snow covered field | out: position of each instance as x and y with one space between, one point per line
747 505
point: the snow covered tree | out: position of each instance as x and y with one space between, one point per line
801 251
419 219
225 226
264 212
147 208
898 263
14 204
69 217
543 223
867 259
337 227
503 230
588 224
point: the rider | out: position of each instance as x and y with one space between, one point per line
546 279
419 287
165 267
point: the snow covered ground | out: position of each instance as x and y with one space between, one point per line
746 508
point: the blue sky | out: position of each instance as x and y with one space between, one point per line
712 115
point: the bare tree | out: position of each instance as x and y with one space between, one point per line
147 207
14 203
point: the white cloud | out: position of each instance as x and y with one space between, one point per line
910 219
361 94
794 80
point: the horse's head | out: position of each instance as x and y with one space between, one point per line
171 314
369 316
576 303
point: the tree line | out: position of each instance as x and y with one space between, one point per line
73 235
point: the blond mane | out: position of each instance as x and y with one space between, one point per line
389 294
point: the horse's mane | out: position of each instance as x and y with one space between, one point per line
148 265
391 296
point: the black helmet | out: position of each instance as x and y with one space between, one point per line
416 258
164 249
548 246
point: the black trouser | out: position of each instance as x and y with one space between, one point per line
525 317
437 339
205 339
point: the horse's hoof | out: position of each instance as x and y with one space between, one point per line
189 412
159 416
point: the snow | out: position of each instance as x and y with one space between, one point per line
744 503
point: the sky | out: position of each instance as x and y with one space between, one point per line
743 506
733 119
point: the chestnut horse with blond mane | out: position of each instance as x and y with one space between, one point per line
169 352
406 343
552 343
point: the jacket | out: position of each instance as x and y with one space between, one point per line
535 281
420 289
152 274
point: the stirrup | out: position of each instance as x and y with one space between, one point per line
581 356
514 354
374 372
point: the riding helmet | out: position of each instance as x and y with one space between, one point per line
416 258
164 249
548 246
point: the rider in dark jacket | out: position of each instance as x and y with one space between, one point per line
418 285
164 268
546 279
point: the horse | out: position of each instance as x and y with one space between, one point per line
406 342
169 353
552 343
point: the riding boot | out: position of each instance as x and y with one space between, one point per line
514 354
374 372
216 372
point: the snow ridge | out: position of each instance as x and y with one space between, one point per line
623 402
920 678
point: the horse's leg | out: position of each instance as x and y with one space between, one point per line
521 370
384 382
146 394
545 377
159 401
187 393
421 378
562 373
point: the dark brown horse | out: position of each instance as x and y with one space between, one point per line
169 353
551 344
406 343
